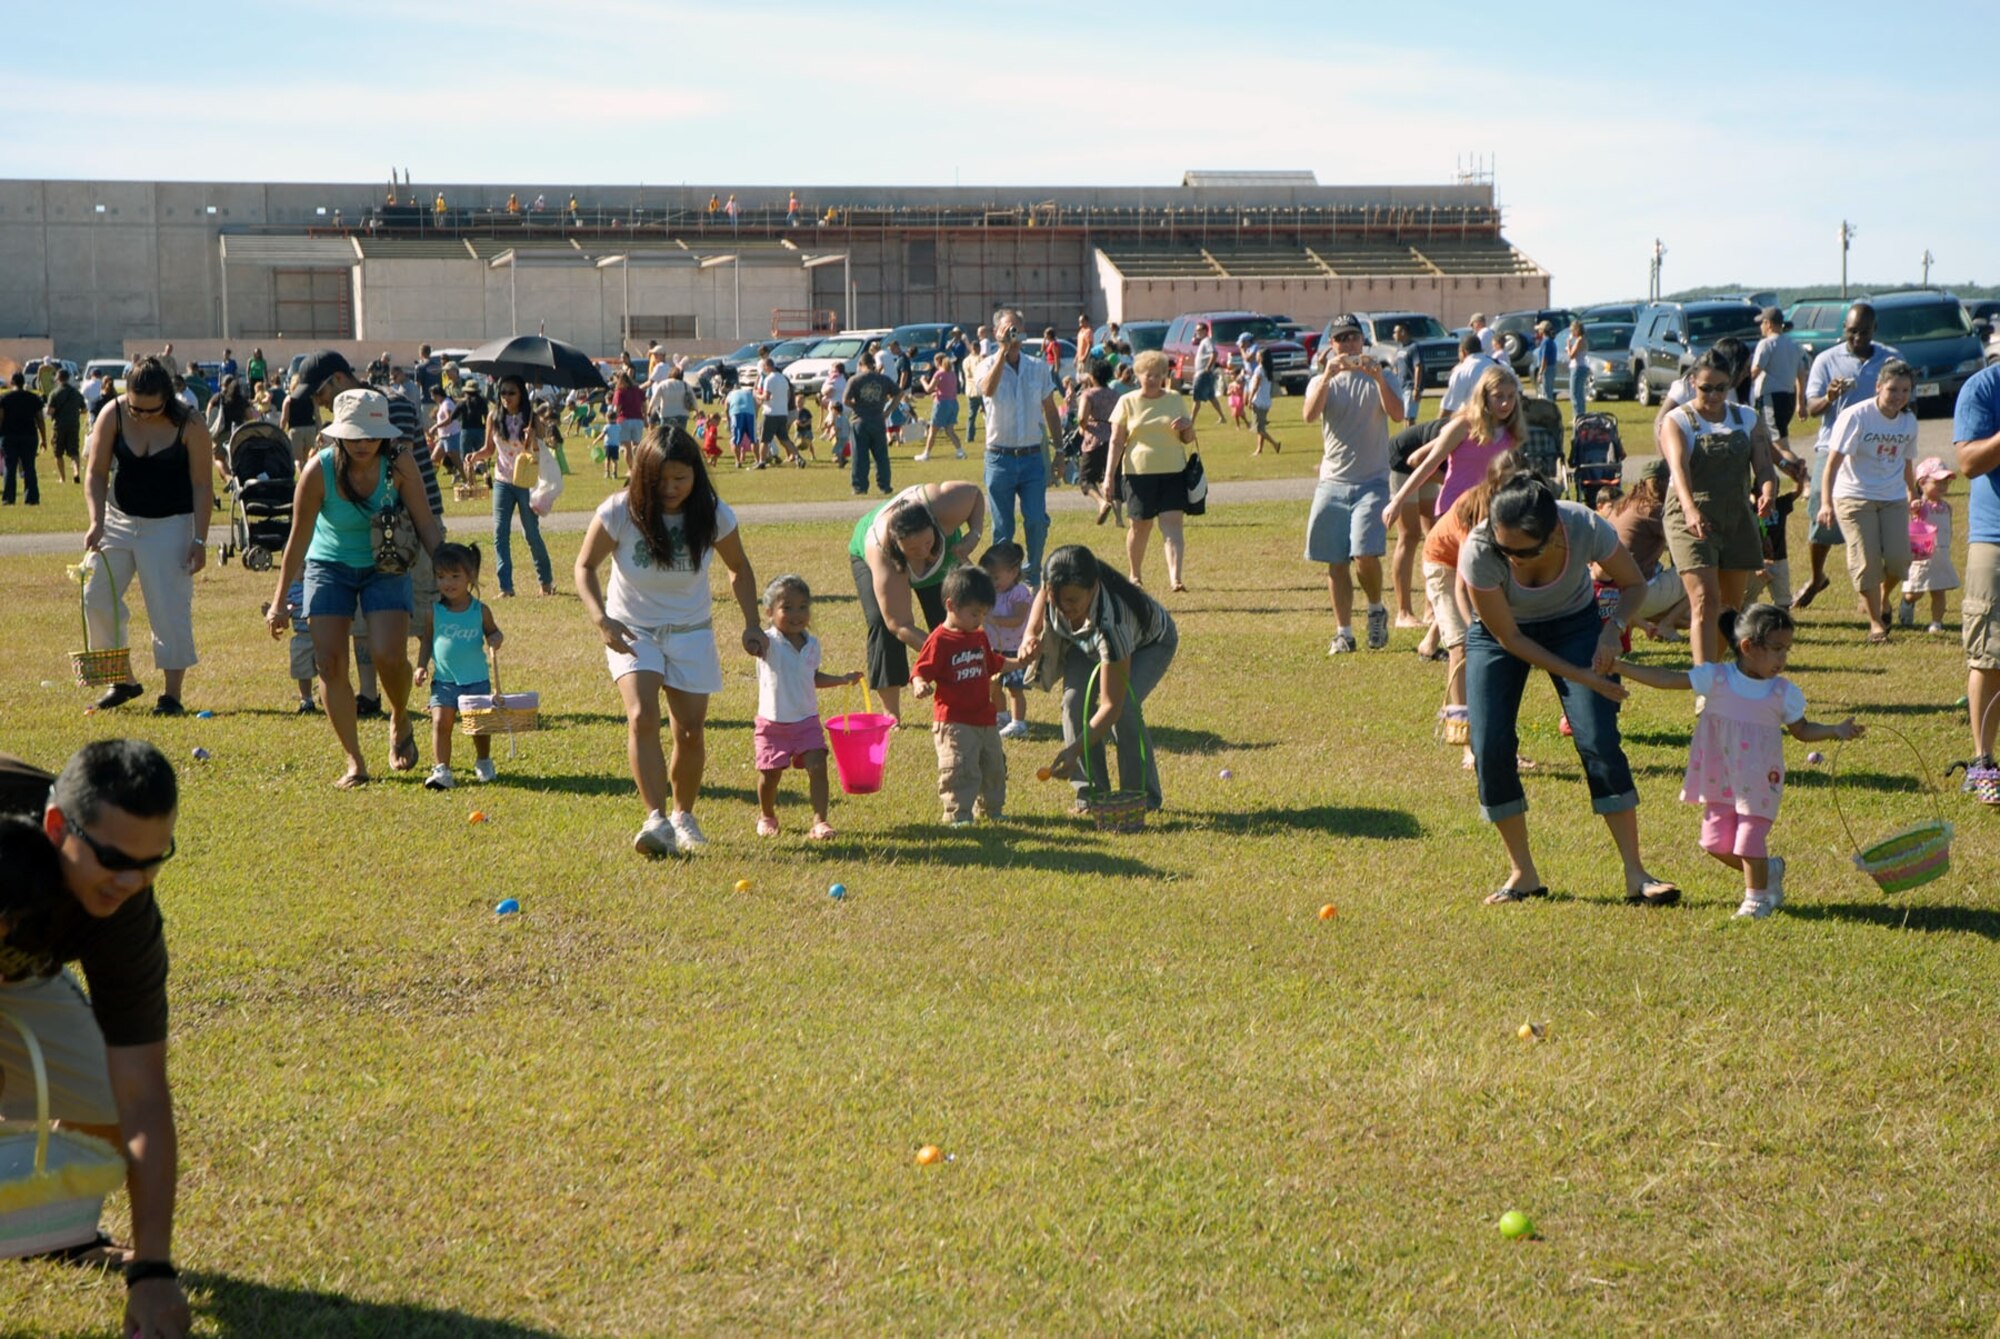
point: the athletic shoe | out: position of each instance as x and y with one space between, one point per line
367 708
687 833
439 779
1013 729
1775 876
1935 628
118 695
920 458
484 770
307 707
1378 627
959 822
1756 906
961 455
656 837
1343 644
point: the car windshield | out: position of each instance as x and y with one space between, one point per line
1230 329
1707 327
742 355
1420 327
1144 337
794 348
1604 337
1929 320
846 346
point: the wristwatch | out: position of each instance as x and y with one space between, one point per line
145 1271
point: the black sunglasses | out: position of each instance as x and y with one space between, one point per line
111 858
1522 554
145 411
1712 389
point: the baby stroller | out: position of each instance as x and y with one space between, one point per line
261 484
1596 458
1543 451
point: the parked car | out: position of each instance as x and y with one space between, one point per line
1607 352
115 368
1291 369
808 374
921 341
1141 335
1930 329
1985 318
1437 348
1612 313
1065 354
33 368
1307 336
1514 335
1815 324
1671 335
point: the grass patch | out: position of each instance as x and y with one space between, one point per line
1173 1099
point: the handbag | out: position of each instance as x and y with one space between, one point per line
526 470
394 532
1196 479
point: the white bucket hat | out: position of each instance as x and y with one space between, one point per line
361 414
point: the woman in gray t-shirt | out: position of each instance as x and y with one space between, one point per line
1527 567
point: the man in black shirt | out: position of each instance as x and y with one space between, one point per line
76 886
66 412
23 432
870 397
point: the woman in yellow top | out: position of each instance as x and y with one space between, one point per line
1152 436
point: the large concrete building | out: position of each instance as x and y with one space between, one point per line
96 266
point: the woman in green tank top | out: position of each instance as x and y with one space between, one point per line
901 549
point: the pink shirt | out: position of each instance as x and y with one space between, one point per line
944 384
1466 466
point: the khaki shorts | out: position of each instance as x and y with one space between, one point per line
1975 607
1878 540
423 591
1438 589
1663 592
72 1048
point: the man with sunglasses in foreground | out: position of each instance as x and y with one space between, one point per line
77 887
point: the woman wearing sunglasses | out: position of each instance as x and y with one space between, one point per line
1527 567
512 442
150 519
1717 453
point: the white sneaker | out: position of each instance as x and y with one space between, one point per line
484 770
1756 906
1343 644
1774 875
1013 729
920 459
656 837
687 833
961 455
439 779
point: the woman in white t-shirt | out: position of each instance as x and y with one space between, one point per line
1872 461
657 619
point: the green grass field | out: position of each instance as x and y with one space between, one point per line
1172 1099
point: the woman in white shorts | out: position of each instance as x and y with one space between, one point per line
657 620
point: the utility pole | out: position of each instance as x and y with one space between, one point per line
1847 231
1653 280
1928 259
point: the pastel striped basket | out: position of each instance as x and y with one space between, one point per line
1907 859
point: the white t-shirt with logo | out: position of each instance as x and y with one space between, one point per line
1873 450
777 395
785 688
646 593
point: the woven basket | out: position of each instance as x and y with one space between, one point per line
466 492
104 666
52 1182
1909 858
500 718
1111 810
1454 726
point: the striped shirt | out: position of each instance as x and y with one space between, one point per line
409 426
1113 632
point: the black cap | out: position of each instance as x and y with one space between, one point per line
1343 324
1775 317
320 367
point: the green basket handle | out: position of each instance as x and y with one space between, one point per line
1089 691
1923 774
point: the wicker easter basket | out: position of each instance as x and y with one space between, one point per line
1907 859
520 715
1111 810
52 1182
104 666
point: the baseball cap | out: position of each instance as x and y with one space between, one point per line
1657 470
320 367
360 414
1774 316
1246 338
1343 324
1931 467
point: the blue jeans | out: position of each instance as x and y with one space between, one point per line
1143 672
1548 381
1494 681
507 499
1026 477
870 440
1579 390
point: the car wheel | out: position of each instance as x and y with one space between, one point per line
1642 389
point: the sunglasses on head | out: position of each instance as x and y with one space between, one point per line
111 858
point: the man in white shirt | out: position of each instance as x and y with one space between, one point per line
890 363
1484 331
775 393
401 383
1472 365
1021 427
669 402
1204 392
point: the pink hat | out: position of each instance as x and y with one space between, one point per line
1930 467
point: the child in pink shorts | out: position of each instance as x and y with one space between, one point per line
787 731
1736 764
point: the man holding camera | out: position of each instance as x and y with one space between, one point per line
1355 399
1021 428
1841 376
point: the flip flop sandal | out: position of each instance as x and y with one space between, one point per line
1658 893
403 752
821 832
1503 895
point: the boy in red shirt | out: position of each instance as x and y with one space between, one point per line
958 664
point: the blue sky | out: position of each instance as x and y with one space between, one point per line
1739 134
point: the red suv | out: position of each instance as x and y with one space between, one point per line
1289 364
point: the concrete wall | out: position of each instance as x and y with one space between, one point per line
1451 298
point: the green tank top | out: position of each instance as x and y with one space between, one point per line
857 547
458 643
345 533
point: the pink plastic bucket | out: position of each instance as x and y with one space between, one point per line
1923 538
860 743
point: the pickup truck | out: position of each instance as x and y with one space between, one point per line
1291 369
1437 348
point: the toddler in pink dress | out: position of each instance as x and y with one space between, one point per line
1736 764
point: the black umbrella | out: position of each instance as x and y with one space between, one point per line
538 360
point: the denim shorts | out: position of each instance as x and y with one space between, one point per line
1346 522
1014 679
445 693
333 588
944 413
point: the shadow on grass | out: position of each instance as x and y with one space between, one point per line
1179 739
601 783
243 1307
1889 916
994 846
1337 820
1866 709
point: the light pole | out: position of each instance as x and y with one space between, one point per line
1653 283
1928 259
624 263
736 273
1847 231
814 262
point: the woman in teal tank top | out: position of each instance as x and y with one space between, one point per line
358 473
903 548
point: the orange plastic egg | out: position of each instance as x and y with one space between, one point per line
928 1154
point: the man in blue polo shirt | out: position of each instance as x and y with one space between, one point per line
1975 430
